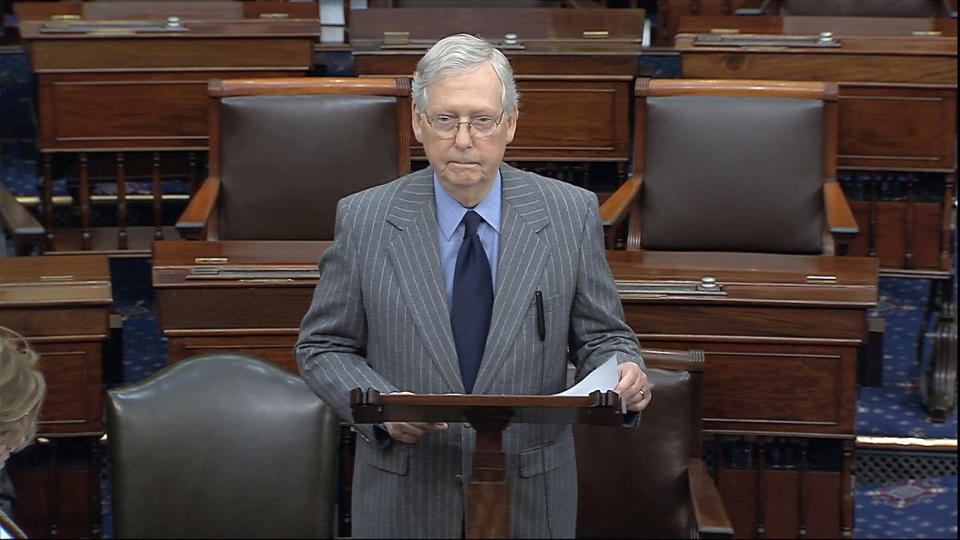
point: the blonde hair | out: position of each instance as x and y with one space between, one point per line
22 389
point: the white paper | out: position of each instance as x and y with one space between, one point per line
603 378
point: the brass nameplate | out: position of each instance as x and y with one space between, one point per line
396 38
595 34
738 40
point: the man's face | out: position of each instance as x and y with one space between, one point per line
465 164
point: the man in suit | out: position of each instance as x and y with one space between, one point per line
403 297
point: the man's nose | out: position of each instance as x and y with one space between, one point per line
462 138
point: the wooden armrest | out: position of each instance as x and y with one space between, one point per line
839 215
22 226
711 516
753 7
196 216
840 221
615 209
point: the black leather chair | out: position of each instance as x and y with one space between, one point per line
650 481
222 445
734 165
284 151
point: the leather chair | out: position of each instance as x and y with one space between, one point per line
222 445
284 151
650 481
733 165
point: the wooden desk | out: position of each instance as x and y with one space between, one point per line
898 101
254 304
61 305
118 77
781 343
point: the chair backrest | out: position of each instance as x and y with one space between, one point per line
632 482
734 165
222 445
286 150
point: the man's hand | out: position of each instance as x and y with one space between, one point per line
410 432
633 386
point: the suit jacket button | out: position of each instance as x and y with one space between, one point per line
459 479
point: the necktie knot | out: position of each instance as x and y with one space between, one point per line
471 220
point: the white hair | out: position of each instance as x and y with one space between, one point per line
462 53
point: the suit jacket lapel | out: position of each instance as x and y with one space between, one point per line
416 260
522 256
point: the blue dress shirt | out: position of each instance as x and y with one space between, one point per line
450 230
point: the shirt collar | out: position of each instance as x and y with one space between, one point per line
450 212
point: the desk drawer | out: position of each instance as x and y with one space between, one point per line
766 388
72 373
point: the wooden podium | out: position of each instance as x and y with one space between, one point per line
488 494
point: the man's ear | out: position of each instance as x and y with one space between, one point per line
415 121
512 124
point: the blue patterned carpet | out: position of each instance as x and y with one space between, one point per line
918 508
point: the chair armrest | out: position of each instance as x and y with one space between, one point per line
19 222
711 516
840 220
677 360
754 8
618 205
196 217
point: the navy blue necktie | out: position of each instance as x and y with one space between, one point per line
472 301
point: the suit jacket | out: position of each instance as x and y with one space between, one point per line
379 319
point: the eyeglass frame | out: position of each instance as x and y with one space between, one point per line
469 123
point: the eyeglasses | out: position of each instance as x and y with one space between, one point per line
447 126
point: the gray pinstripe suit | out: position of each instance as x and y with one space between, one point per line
379 319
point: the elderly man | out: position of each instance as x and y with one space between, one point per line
469 276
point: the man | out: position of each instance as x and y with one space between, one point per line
403 296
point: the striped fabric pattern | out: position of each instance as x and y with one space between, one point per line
379 320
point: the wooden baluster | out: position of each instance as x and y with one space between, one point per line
909 218
93 478
121 202
846 491
85 239
761 486
872 218
53 486
157 199
46 200
192 172
946 223
804 514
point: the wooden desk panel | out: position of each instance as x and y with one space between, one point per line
256 315
781 346
781 354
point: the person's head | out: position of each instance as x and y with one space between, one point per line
22 389
464 113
